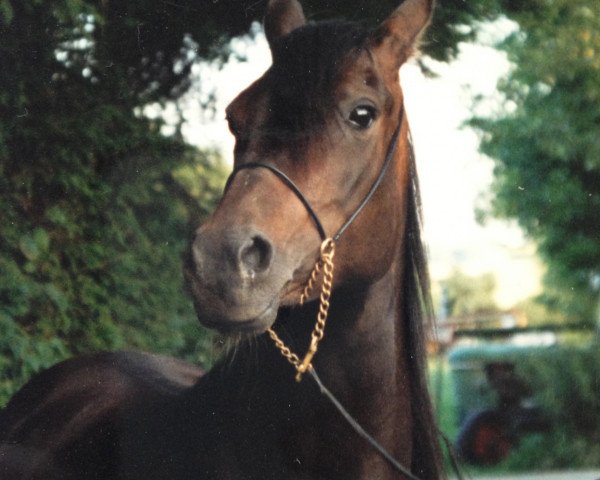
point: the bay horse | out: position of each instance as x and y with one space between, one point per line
322 146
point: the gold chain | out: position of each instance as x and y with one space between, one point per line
325 264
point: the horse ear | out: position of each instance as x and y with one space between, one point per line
282 17
398 37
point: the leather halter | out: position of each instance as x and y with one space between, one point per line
311 211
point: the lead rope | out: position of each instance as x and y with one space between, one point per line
359 429
324 264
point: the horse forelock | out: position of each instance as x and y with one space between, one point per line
306 69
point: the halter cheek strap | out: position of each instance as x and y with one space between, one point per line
311 211
386 163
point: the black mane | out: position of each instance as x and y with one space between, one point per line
416 316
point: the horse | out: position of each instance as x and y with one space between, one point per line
322 145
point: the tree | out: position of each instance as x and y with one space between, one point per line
467 295
95 213
547 147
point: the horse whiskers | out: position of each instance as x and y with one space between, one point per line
238 342
231 343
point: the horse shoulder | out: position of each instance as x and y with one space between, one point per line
67 418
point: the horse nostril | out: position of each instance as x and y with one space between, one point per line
255 256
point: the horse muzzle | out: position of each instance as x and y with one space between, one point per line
235 278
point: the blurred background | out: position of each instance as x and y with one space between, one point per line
113 148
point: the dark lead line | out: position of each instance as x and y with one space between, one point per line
360 430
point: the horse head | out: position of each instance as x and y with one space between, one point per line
324 114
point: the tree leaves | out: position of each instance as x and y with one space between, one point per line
6 12
547 172
91 244
35 244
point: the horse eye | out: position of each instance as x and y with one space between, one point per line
363 116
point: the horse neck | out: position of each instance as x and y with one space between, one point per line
362 360
359 355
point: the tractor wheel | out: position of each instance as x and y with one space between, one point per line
484 439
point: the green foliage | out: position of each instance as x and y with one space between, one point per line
468 295
566 382
95 209
547 149
454 21
537 312
97 264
